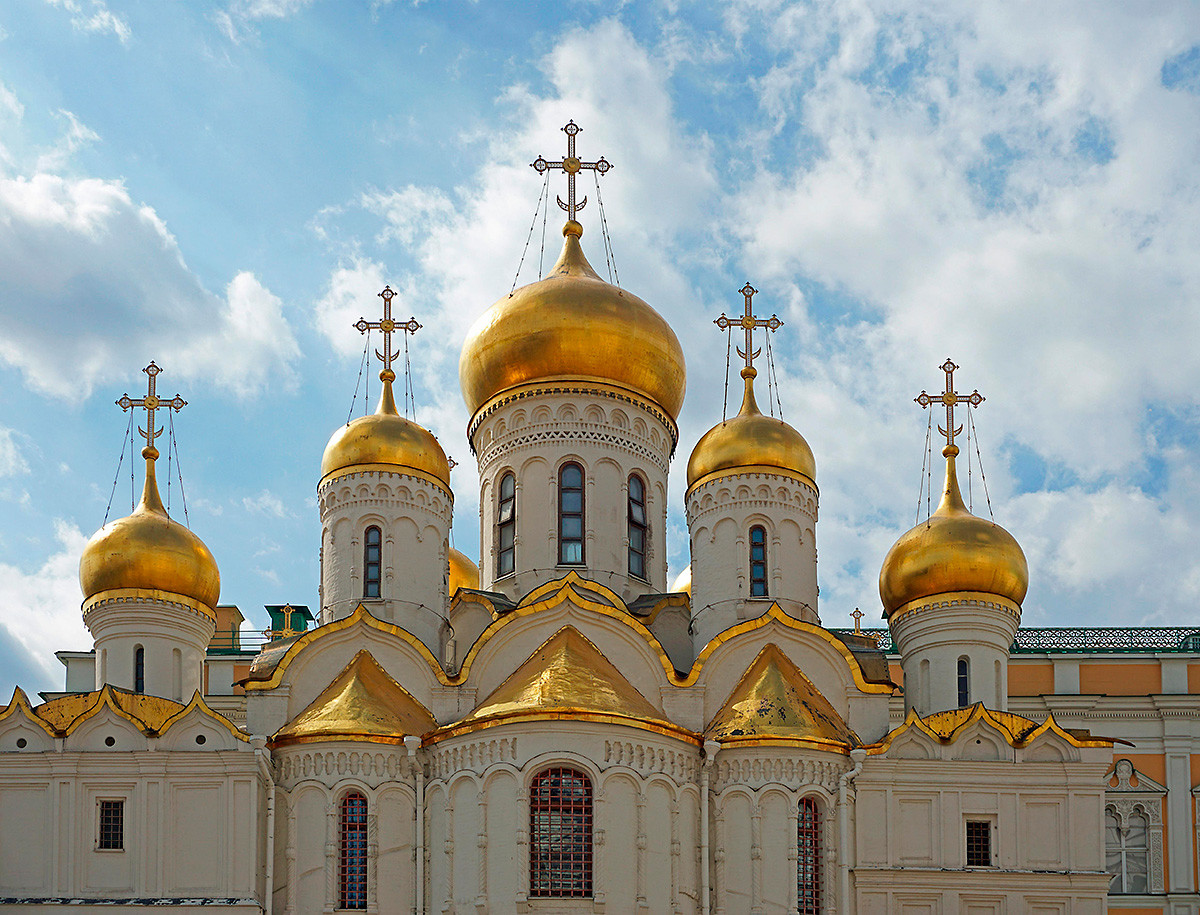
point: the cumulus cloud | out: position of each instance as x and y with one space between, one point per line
41 607
266 503
85 250
94 16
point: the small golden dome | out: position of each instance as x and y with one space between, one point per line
683 582
572 324
953 551
385 438
147 551
751 439
463 571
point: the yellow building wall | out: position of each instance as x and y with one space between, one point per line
1194 678
1119 679
1035 679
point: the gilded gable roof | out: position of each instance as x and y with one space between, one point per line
362 703
567 678
774 702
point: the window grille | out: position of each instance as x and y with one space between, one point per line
570 515
352 852
808 859
372 561
1127 853
758 562
139 669
979 843
110 832
560 831
964 682
506 525
637 527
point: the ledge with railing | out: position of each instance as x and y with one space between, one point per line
1083 640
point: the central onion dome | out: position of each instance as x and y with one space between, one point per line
384 440
148 552
751 439
953 551
572 324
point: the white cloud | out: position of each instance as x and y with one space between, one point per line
75 138
94 16
12 461
40 607
236 21
82 251
266 503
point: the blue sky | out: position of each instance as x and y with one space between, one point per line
225 186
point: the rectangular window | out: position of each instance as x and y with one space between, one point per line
110 826
979 843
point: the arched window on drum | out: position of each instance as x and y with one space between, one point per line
808 858
352 852
637 527
560 833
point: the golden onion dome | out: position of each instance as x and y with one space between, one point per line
463 571
748 440
148 552
683 582
572 325
383 441
953 551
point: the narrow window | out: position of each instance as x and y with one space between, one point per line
352 852
177 674
372 561
110 826
560 834
758 561
808 859
506 525
637 527
139 669
570 515
1127 853
964 682
979 843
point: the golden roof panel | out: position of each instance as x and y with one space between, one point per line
774 701
567 678
362 703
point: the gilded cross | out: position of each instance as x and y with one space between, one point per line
388 325
150 403
748 322
572 165
949 398
858 615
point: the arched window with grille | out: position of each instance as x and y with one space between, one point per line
372 561
964 682
506 526
808 858
758 561
352 852
637 527
570 515
139 669
1127 852
560 833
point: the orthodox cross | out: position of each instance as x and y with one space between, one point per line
858 615
388 326
949 398
572 165
150 403
748 322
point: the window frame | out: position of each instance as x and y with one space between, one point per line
635 527
139 669
352 896
989 825
508 525
563 862
581 514
963 681
810 857
370 579
759 565
1124 851
119 803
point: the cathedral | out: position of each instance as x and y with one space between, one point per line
561 729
